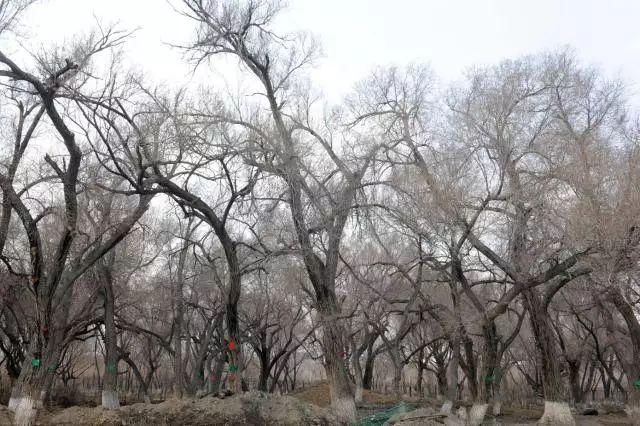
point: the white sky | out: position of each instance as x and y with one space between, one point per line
358 34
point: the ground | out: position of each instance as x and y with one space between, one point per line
252 408
306 407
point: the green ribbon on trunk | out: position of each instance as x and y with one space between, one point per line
233 368
637 384
490 379
35 363
112 368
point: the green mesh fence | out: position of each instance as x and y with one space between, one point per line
381 417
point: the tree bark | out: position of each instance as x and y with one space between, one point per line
110 399
556 409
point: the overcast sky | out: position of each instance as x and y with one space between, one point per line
358 34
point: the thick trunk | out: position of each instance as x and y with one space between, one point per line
39 367
556 413
632 365
556 410
477 414
545 343
342 397
29 391
488 377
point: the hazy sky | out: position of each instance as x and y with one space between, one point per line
358 34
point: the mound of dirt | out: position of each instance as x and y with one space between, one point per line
251 408
319 395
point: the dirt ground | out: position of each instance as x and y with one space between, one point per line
252 408
519 416
319 395
374 402
306 407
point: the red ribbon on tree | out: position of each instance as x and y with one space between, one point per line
232 345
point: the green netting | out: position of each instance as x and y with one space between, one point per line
381 417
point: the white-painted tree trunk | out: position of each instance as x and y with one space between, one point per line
462 414
557 414
110 399
446 407
25 411
497 408
633 413
477 413
13 400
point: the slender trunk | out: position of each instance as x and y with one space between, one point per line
232 320
110 399
263 381
575 386
178 300
357 373
471 369
420 378
452 369
367 377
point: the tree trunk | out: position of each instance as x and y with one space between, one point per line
575 386
357 374
631 366
263 381
397 370
556 410
367 377
452 372
178 300
29 391
110 399
488 371
232 320
342 397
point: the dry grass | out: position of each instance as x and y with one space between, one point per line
319 395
